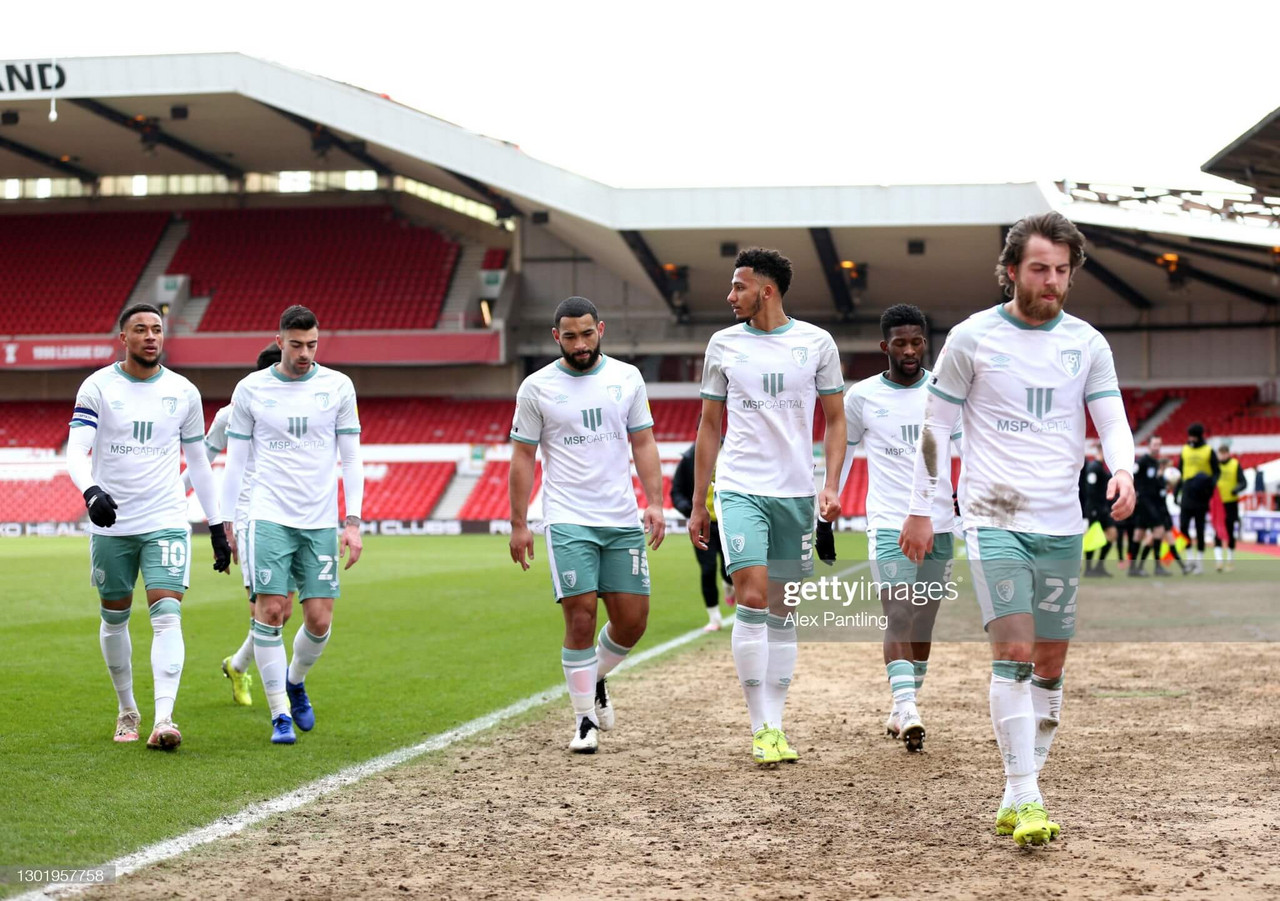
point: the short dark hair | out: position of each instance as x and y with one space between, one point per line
1195 430
270 356
1054 226
298 317
136 309
768 263
901 314
573 307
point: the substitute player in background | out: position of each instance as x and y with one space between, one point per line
1199 468
133 417
1019 376
1231 482
767 371
236 667
581 410
883 414
298 419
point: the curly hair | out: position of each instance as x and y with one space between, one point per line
901 314
768 263
1054 226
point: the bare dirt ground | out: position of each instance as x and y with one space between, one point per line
1165 776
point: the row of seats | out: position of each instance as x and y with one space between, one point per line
355 268
68 274
489 498
401 490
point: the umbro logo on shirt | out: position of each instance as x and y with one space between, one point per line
882 413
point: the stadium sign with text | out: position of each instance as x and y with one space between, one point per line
24 77
57 353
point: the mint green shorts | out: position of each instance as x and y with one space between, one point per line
889 564
283 558
162 556
246 563
600 559
1026 572
758 530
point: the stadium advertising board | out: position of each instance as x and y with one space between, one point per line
57 353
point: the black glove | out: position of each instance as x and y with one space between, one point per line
955 503
102 509
221 550
824 541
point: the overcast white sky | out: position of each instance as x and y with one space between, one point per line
660 93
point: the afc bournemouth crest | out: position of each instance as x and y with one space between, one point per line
569 577
737 542
800 355
615 392
1071 360
170 405
322 400
1004 589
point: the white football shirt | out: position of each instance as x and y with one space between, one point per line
884 418
216 441
293 426
581 421
1023 391
139 425
770 382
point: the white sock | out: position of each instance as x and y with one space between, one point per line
713 615
241 659
168 652
1231 554
117 651
307 649
920 667
1217 553
1046 699
608 652
780 667
581 669
902 682
268 653
1013 718
750 645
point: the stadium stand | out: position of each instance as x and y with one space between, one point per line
46 500
72 273
494 258
356 268
1220 409
402 490
488 499
34 423
435 420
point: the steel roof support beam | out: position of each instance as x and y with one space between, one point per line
354 149
1117 285
153 130
39 156
837 282
1103 240
652 268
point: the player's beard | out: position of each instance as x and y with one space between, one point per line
145 362
591 358
746 315
1034 307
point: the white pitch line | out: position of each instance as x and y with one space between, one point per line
256 813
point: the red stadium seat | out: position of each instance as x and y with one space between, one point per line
354 267
71 273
